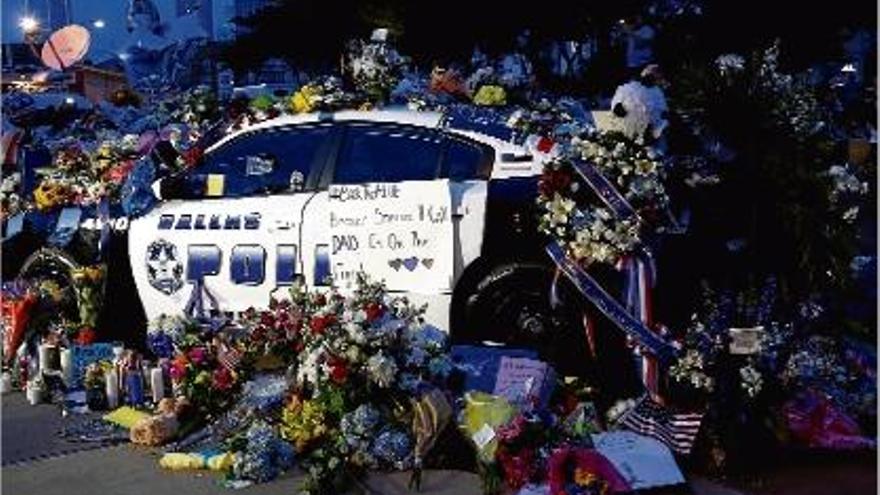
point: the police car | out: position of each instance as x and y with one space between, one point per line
442 214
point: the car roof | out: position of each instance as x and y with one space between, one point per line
431 120
407 117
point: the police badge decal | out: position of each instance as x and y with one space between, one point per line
164 269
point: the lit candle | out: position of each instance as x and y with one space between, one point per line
157 383
6 383
34 391
67 366
112 387
45 355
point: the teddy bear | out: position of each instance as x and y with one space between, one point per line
162 426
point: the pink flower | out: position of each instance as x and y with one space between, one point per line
566 463
178 368
197 355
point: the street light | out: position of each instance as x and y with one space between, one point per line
29 25
98 23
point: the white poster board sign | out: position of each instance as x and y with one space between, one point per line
643 462
401 233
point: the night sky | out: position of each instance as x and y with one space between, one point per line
85 12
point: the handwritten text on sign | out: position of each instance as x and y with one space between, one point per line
401 233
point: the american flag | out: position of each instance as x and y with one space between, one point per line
676 430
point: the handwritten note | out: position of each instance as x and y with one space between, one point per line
643 462
745 341
524 381
401 233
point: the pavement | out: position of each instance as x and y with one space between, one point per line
37 462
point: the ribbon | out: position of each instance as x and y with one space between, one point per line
639 274
587 285
604 189
195 305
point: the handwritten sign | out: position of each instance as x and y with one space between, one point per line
84 355
744 341
401 233
643 462
524 381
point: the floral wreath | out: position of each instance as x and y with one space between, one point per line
581 220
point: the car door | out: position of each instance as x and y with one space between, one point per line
234 222
392 209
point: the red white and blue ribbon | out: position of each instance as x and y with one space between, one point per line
610 307
604 189
639 272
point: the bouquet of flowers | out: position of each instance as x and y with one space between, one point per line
582 224
88 284
524 447
18 300
198 375
166 334
375 67
276 330
12 202
323 95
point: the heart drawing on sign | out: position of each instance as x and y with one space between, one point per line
428 262
395 263
411 263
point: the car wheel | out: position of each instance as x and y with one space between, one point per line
511 306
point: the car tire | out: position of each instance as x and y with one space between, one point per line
511 307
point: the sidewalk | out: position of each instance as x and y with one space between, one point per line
130 470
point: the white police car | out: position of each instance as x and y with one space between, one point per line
442 214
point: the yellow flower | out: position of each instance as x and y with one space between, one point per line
302 100
49 194
490 95
583 477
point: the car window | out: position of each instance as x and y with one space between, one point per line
269 161
463 161
371 154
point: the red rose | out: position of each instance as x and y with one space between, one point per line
545 144
86 336
374 311
338 370
222 379
192 156
553 181
318 324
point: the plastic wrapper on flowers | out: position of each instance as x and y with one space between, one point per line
579 471
814 422
483 415
18 300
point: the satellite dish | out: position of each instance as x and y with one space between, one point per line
66 47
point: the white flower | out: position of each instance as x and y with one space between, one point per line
730 63
559 210
752 381
381 370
